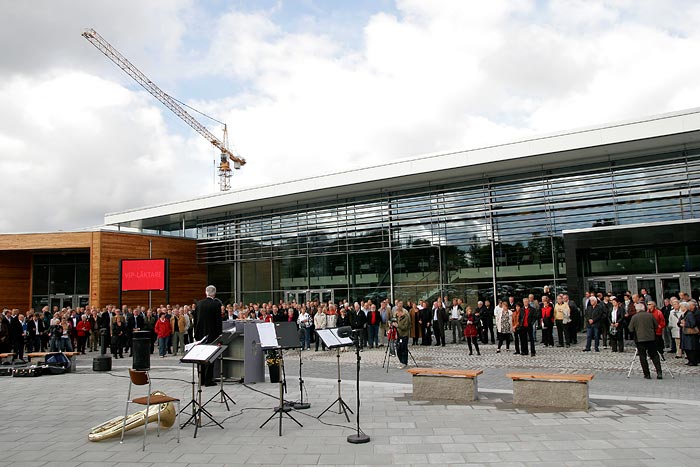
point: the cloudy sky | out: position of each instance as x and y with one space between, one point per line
308 87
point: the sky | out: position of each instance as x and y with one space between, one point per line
308 87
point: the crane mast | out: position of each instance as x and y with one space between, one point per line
122 62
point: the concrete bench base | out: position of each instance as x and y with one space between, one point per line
431 384
550 394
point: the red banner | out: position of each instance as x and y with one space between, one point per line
143 274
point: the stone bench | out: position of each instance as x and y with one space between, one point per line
445 384
551 390
71 356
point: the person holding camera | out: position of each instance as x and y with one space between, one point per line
403 329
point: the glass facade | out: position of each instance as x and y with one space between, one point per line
462 238
58 278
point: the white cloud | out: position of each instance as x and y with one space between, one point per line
430 76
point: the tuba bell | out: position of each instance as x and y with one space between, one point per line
113 427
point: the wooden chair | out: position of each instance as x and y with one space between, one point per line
140 378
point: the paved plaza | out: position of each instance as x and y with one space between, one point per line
631 422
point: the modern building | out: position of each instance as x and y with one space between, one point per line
612 207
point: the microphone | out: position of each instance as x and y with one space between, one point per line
345 331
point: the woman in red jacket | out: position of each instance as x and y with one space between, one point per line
163 330
470 330
83 330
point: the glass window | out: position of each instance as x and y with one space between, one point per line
40 279
328 271
467 263
62 279
376 294
672 258
369 269
416 266
82 278
620 261
256 275
221 277
290 273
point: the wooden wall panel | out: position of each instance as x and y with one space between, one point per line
15 279
46 241
187 278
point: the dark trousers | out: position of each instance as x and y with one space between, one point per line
617 342
475 341
425 329
660 345
487 327
562 332
18 348
82 340
503 337
527 334
34 344
573 333
439 330
402 350
648 349
605 331
516 340
593 332
548 335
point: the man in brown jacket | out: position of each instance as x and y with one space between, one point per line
643 325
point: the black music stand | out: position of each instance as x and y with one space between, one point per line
201 355
332 340
224 339
279 336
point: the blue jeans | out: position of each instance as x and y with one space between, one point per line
162 346
592 331
305 338
373 335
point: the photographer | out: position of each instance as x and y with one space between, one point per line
403 328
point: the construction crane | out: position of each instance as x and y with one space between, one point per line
224 168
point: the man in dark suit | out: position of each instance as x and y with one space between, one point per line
35 328
17 334
529 316
209 325
439 317
593 315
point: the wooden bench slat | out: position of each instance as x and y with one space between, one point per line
44 354
444 372
581 378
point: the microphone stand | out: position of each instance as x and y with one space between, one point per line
359 437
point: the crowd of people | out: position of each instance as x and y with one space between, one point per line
559 320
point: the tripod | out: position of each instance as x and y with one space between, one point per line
282 410
197 408
342 406
224 396
661 357
391 350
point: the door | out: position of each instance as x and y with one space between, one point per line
61 301
670 287
618 287
695 288
649 284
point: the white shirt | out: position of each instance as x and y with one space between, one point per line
455 312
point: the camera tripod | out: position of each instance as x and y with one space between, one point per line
661 358
391 350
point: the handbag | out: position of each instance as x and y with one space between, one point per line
691 331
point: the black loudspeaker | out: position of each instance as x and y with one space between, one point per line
141 350
102 363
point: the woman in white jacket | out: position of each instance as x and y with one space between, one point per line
673 318
504 327
320 322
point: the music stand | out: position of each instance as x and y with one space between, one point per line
332 340
224 339
202 355
279 336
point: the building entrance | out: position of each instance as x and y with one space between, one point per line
65 301
659 286
303 296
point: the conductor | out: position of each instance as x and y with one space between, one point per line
208 314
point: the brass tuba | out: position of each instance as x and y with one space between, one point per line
113 427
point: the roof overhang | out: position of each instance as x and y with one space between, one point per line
672 131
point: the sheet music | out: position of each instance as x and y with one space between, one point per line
188 347
332 339
201 352
267 334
